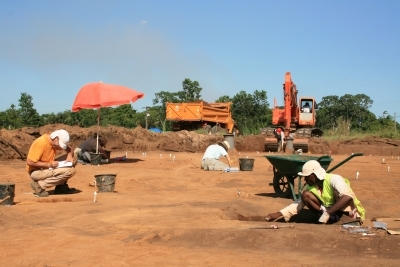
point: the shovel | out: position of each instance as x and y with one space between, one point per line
274 226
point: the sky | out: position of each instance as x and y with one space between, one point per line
50 49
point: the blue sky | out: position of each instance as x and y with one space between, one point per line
50 49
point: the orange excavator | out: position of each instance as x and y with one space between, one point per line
296 121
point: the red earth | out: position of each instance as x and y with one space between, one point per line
168 212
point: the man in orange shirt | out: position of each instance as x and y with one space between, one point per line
42 167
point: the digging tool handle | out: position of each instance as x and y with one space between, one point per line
4 199
344 161
273 227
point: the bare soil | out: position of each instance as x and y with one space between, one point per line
167 212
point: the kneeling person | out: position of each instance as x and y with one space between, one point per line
82 152
325 194
210 160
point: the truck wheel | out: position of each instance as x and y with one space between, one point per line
281 185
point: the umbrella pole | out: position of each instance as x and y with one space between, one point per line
98 126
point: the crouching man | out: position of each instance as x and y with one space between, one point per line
327 194
210 160
42 167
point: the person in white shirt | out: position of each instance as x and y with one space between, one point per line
210 160
326 194
306 108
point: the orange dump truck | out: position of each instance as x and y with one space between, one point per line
193 115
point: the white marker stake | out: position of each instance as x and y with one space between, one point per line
357 175
95 194
142 154
383 160
388 169
169 155
173 159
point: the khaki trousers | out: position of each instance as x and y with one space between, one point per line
213 165
49 178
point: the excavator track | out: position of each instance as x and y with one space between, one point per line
301 139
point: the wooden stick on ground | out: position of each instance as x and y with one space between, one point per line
4 199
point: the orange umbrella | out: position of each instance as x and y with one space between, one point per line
99 94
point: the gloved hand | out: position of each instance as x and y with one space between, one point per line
324 217
354 214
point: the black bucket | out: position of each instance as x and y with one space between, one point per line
95 159
7 193
105 182
246 164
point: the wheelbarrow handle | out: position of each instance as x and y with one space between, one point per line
344 161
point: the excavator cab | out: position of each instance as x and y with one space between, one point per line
307 112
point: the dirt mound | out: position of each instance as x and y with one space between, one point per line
15 144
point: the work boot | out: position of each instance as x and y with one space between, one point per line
104 161
64 189
39 191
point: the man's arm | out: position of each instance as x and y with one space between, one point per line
346 194
103 152
70 156
228 159
342 202
41 164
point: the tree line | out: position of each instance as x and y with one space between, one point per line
251 112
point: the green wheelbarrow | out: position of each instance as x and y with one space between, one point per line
286 167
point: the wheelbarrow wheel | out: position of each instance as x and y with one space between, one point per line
281 184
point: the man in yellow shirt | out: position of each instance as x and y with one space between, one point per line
42 167
325 194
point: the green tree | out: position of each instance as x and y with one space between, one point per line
224 99
28 114
251 112
354 109
160 105
85 117
12 118
123 116
191 91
